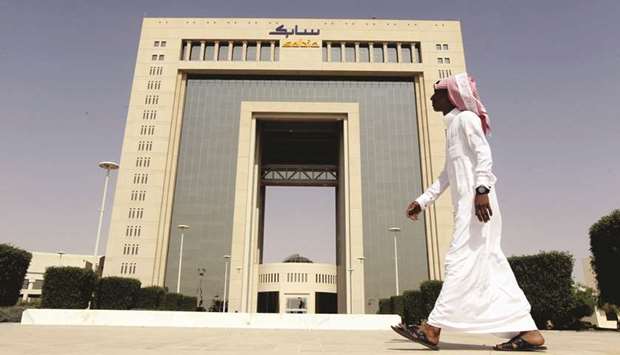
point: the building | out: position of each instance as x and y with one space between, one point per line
222 108
33 281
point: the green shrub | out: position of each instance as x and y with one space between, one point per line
546 280
171 301
605 248
11 314
398 305
150 297
187 303
116 293
67 287
415 310
385 306
430 291
584 302
14 263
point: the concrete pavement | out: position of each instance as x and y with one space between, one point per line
91 340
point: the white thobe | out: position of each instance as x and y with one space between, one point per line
480 293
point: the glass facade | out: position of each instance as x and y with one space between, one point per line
206 174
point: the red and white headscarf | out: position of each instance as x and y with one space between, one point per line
463 94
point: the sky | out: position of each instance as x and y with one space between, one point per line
546 70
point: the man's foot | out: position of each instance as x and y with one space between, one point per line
525 341
533 337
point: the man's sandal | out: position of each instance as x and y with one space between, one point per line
403 329
416 335
518 344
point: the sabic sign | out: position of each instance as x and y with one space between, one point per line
301 44
282 31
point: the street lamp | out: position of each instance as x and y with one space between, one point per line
224 303
395 230
201 273
108 166
60 254
182 228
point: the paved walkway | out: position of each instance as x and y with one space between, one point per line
62 340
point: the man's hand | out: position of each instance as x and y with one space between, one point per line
483 208
413 210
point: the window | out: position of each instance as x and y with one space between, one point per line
194 53
336 52
392 57
163 43
405 52
349 53
438 46
364 53
276 52
324 51
210 51
237 54
223 51
296 305
439 60
377 53
250 52
445 47
161 57
446 60
265 52
156 44
154 57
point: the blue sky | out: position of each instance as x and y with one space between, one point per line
547 72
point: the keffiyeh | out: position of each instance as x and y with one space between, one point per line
463 94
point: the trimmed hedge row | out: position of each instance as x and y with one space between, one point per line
71 287
545 278
14 263
605 248
67 287
116 293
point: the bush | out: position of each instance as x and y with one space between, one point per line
545 278
430 291
150 297
398 305
385 306
187 303
415 311
116 293
171 301
605 248
11 314
14 263
67 287
584 302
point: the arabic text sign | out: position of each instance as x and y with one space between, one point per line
301 44
282 31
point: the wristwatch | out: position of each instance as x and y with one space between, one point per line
482 190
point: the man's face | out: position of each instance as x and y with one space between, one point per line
441 101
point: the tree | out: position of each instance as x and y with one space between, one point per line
605 248
14 263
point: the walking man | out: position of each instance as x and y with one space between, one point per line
480 293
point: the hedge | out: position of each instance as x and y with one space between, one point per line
413 306
116 293
67 287
150 297
605 248
14 263
178 302
546 280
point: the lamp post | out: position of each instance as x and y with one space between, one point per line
200 301
60 254
224 303
395 230
108 166
182 228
